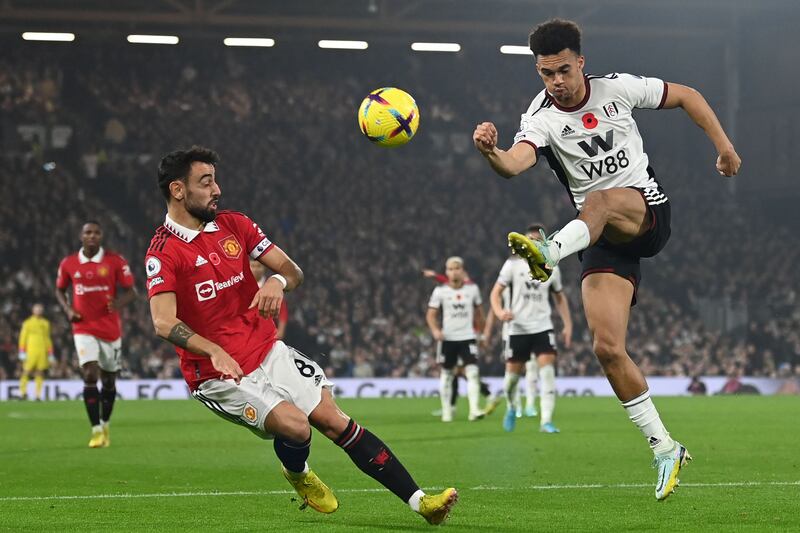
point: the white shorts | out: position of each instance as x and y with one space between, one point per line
285 375
107 354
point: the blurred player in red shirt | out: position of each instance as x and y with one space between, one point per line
93 308
205 300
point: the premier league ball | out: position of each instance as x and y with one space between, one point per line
388 117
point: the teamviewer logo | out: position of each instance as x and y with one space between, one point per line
205 290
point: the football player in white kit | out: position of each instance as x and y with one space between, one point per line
462 313
527 315
583 126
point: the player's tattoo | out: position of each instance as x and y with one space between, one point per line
179 335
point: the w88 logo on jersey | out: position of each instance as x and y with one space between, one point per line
610 164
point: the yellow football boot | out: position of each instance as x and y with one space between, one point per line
669 466
98 440
106 435
314 492
435 508
535 252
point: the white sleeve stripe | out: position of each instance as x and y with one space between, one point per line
260 248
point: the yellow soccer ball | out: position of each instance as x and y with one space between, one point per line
388 117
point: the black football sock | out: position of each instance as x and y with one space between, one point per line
375 459
292 455
91 398
107 397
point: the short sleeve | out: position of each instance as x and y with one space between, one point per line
436 298
161 274
531 131
555 285
62 278
255 241
644 93
124 274
506 274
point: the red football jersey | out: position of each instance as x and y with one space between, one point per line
209 272
94 284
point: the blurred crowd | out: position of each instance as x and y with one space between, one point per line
361 221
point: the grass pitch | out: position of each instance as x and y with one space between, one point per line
174 466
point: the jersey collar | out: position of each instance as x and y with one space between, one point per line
185 234
579 104
96 258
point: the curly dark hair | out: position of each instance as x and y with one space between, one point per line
176 165
553 36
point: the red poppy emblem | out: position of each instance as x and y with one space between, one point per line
589 121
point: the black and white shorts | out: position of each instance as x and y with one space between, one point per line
457 353
519 348
624 259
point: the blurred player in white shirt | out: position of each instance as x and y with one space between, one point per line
530 347
461 310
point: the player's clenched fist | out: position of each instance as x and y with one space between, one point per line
728 162
485 137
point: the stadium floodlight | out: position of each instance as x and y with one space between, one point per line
248 41
47 36
514 49
436 47
153 39
344 45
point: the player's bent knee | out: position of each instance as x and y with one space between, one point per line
608 351
288 422
328 418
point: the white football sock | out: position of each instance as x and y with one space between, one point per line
573 238
473 388
643 413
510 387
446 392
531 377
547 375
413 501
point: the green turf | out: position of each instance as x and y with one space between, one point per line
178 447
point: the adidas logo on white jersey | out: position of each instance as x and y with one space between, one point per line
567 131
200 261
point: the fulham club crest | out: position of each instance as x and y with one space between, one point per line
611 110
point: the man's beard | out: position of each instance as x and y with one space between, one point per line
205 214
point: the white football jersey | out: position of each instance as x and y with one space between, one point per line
596 145
530 299
458 310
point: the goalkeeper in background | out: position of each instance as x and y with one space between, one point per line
35 350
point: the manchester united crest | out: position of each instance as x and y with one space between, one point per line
102 271
250 413
230 247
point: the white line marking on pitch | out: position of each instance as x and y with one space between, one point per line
479 487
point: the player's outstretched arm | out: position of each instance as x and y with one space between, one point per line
163 310
507 163
728 161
